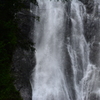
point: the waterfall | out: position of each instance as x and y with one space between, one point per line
64 69
49 79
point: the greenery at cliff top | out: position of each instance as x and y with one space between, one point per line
8 42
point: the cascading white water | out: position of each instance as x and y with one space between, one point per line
78 48
85 75
50 81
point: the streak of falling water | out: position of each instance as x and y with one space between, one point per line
78 48
49 79
85 75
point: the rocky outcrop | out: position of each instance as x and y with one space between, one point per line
23 57
91 32
89 5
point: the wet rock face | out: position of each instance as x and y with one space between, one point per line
22 68
89 5
24 61
91 32
93 96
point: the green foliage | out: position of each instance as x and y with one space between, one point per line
8 41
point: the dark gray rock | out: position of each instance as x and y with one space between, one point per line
91 32
24 60
23 64
89 5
